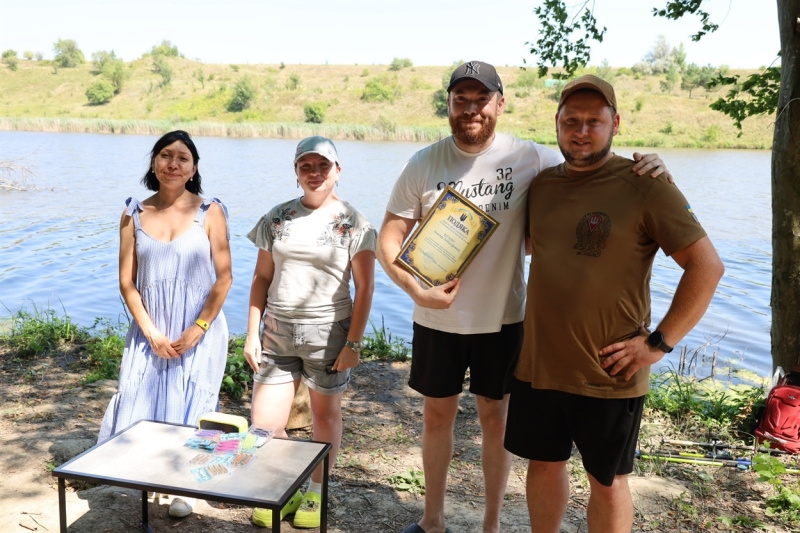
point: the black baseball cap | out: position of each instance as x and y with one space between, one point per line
477 70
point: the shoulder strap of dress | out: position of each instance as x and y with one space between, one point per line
134 206
201 213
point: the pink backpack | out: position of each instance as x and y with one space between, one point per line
780 422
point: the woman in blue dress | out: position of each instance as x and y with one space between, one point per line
174 274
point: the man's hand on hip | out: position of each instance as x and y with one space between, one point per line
629 356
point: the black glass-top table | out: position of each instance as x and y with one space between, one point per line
150 456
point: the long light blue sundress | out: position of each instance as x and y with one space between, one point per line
174 279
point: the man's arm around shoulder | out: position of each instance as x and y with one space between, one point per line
702 270
394 231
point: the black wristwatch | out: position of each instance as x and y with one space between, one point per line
656 340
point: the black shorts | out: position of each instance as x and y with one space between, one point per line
439 361
543 424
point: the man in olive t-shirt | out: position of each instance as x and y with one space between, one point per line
586 355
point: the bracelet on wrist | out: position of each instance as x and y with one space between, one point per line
354 345
203 324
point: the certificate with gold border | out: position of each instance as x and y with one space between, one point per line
447 239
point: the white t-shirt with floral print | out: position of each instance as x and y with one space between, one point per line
312 250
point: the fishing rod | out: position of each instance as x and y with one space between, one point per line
724 446
703 461
688 458
724 455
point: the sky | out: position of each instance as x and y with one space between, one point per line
366 32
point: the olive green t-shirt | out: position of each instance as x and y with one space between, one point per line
594 237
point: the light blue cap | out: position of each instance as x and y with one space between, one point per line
317 145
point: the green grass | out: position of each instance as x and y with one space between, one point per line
35 98
41 330
104 350
381 345
713 403
238 374
412 480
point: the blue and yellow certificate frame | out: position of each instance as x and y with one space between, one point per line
447 240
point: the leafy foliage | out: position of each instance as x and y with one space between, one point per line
114 71
757 95
238 373
34 333
697 77
100 58
660 58
382 89
381 345
439 101
100 92
412 480
104 350
556 43
293 82
244 92
161 66
67 54
9 58
166 48
400 63
675 9
669 81
315 112
680 396
111 68
785 503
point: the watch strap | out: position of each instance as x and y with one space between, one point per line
354 345
656 340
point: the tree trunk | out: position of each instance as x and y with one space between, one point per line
786 195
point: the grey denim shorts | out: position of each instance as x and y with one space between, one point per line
294 351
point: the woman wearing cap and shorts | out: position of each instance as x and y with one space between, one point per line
309 248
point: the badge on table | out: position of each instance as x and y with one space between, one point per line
447 239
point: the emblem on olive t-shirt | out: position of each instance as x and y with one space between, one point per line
592 233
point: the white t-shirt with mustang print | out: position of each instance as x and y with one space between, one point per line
312 250
492 291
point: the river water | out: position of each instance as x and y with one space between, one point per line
59 243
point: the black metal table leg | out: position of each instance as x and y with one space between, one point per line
62 505
323 524
276 520
145 518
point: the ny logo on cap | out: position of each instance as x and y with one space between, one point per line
472 68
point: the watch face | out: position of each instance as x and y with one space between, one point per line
655 339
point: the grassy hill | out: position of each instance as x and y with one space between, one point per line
40 97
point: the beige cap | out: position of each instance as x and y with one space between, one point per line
592 83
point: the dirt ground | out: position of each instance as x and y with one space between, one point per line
47 417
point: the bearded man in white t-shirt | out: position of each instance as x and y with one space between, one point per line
475 322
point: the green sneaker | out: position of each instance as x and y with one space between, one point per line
310 511
263 517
